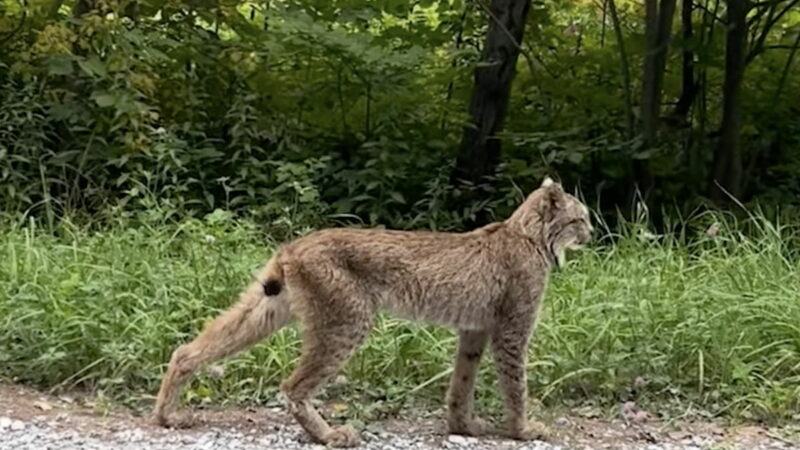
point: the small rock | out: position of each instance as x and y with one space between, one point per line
678 435
458 439
562 421
44 406
5 422
17 425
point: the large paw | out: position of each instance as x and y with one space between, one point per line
532 431
174 420
474 426
343 436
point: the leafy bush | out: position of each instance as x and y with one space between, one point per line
202 106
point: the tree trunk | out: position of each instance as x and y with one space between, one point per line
727 165
479 152
707 28
689 86
649 113
625 66
658 25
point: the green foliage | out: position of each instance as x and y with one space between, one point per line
203 105
119 113
711 322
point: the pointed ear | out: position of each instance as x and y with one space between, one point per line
548 182
553 195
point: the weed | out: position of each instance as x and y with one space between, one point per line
711 321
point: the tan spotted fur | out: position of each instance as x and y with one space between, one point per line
487 284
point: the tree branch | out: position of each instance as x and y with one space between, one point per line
758 47
787 67
780 47
710 13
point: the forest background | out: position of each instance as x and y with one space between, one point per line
152 152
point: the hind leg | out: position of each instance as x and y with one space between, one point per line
248 321
460 396
327 345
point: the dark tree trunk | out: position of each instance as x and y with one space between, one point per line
479 152
649 114
707 28
625 66
726 173
658 24
689 86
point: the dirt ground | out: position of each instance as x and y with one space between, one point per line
631 430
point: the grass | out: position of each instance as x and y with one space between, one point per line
712 322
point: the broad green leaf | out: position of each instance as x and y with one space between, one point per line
59 65
93 66
104 99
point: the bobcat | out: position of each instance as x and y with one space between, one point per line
486 283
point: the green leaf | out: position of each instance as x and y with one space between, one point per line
59 65
398 197
575 158
104 99
93 66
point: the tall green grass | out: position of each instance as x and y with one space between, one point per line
711 321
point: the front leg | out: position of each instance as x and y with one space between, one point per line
510 348
460 396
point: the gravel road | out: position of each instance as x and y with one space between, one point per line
41 433
31 420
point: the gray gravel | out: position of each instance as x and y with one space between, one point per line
41 433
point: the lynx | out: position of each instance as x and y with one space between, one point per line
487 284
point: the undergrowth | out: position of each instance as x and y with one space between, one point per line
705 318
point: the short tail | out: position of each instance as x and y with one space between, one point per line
272 277
263 308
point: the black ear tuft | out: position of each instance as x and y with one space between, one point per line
272 287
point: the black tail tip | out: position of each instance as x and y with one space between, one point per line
272 287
